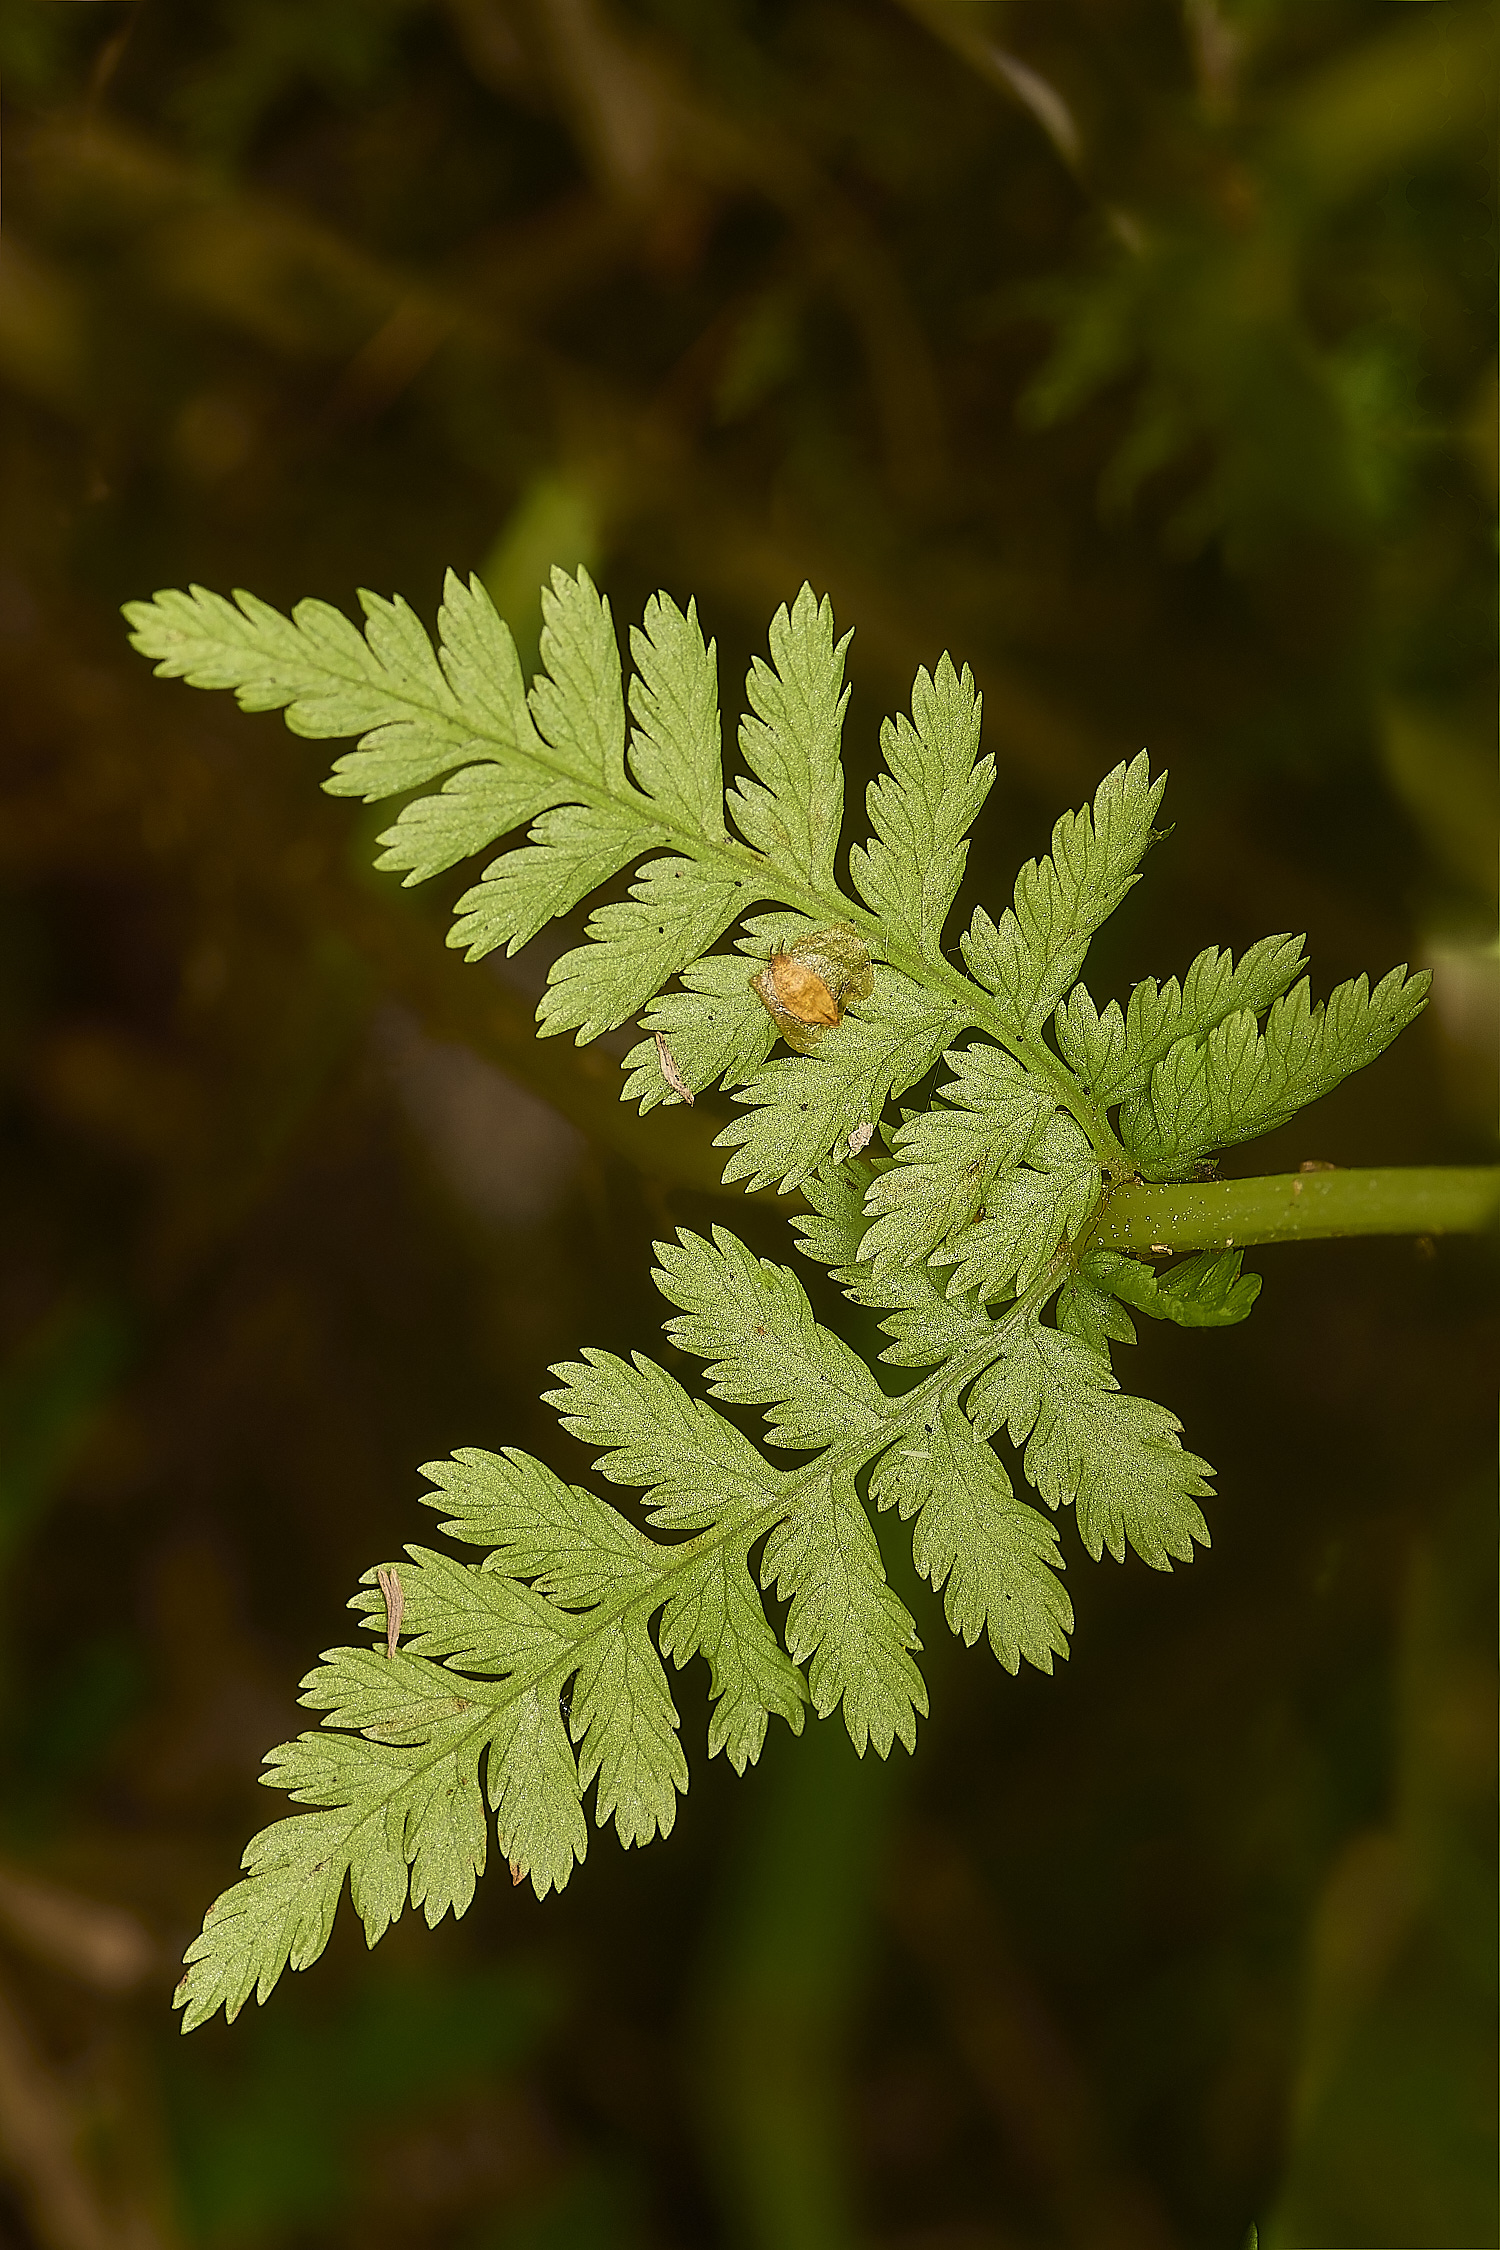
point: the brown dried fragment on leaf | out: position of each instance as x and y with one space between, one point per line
860 1138
395 1602
806 990
517 1874
670 1071
801 991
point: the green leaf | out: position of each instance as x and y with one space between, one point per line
675 749
715 1612
714 1025
793 809
571 1545
1240 1081
699 1472
1029 960
535 1790
1118 1460
538 1666
470 810
1026 1213
571 852
833 1233
1092 1314
922 809
845 1618
675 911
384 685
402 1811
804 1106
625 1724
282 1913
576 704
992 1557
479 1619
481 666
1206 1291
752 1322
409 1776
1115 1054
402 1705
704 1475
948 1160
928 1325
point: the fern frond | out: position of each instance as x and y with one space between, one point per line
576 700
1028 1213
537 1678
402 1816
572 851
676 910
751 1321
928 1324
717 1030
1188 1073
988 1185
993 1558
555 757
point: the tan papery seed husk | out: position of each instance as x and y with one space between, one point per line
806 988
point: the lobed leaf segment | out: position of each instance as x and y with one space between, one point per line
526 1680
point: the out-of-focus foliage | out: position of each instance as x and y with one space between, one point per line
1142 355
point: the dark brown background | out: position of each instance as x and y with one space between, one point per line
1165 397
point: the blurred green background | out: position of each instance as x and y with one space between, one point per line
1140 353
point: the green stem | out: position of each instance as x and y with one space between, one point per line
1291 1207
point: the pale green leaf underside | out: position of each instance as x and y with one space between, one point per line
800 1107
1114 1053
1117 1459
531 1688
922 808
1242 1080
546 774
1031 957
535 1676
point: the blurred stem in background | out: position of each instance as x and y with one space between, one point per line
1400 1988
786 1954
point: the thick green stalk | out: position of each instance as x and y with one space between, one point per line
1293 1206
